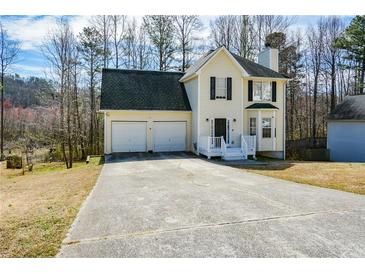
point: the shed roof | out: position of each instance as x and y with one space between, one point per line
351 108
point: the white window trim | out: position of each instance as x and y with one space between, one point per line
251 127
271 127
261 97
223 91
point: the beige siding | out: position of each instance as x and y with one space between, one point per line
149 117
221 66
279 114
192 91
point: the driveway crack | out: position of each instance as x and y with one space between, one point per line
185 228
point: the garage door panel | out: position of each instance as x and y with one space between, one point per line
169 136
129 136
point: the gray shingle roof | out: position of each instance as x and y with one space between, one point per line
261 105
198 64
256 70
351 108
142 90
252 68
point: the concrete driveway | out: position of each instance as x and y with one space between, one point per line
177 205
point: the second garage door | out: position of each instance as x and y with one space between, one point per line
169 136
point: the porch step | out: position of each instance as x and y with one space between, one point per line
233 154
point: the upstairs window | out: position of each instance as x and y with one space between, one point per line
221 88
262 91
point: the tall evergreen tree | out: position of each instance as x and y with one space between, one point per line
353 41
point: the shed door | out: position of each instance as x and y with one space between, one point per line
169 136
129 136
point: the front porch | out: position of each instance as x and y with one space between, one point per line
217 147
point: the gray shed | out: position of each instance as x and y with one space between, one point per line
346 130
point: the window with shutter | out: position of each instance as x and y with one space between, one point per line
221 88
250 90
212 88
273 91
229 88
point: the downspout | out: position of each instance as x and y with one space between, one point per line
198 117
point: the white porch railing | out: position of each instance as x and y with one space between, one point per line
216 146
211 146
248 145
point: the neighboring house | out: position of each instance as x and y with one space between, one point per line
346 130
223 105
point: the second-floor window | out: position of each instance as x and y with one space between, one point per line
261 91
221 88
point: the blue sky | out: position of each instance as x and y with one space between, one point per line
30 31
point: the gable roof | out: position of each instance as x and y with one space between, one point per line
252 68
142 90
351 108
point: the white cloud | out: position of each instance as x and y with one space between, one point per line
31 30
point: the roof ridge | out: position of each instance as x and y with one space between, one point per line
141 71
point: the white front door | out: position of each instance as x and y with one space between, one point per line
267 132
129 136
169 136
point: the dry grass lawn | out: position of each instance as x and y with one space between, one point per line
342 176
37 209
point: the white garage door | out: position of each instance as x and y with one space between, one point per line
129 136
169 136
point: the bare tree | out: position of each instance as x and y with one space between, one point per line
222 31
315 57
161 33
266 24
118 26
9 50
333 30
185 27
58 48
143 49
91 50
103 24
244 42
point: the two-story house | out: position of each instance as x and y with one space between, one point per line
223 105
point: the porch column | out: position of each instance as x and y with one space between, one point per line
259 130
273 130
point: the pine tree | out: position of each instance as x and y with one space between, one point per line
353 41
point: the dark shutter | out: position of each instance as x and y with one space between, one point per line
212 88
229 88
273 93
250 90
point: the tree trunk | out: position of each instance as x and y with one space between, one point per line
2 156
362 76
333 83
314 111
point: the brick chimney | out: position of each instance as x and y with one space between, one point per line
269 57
